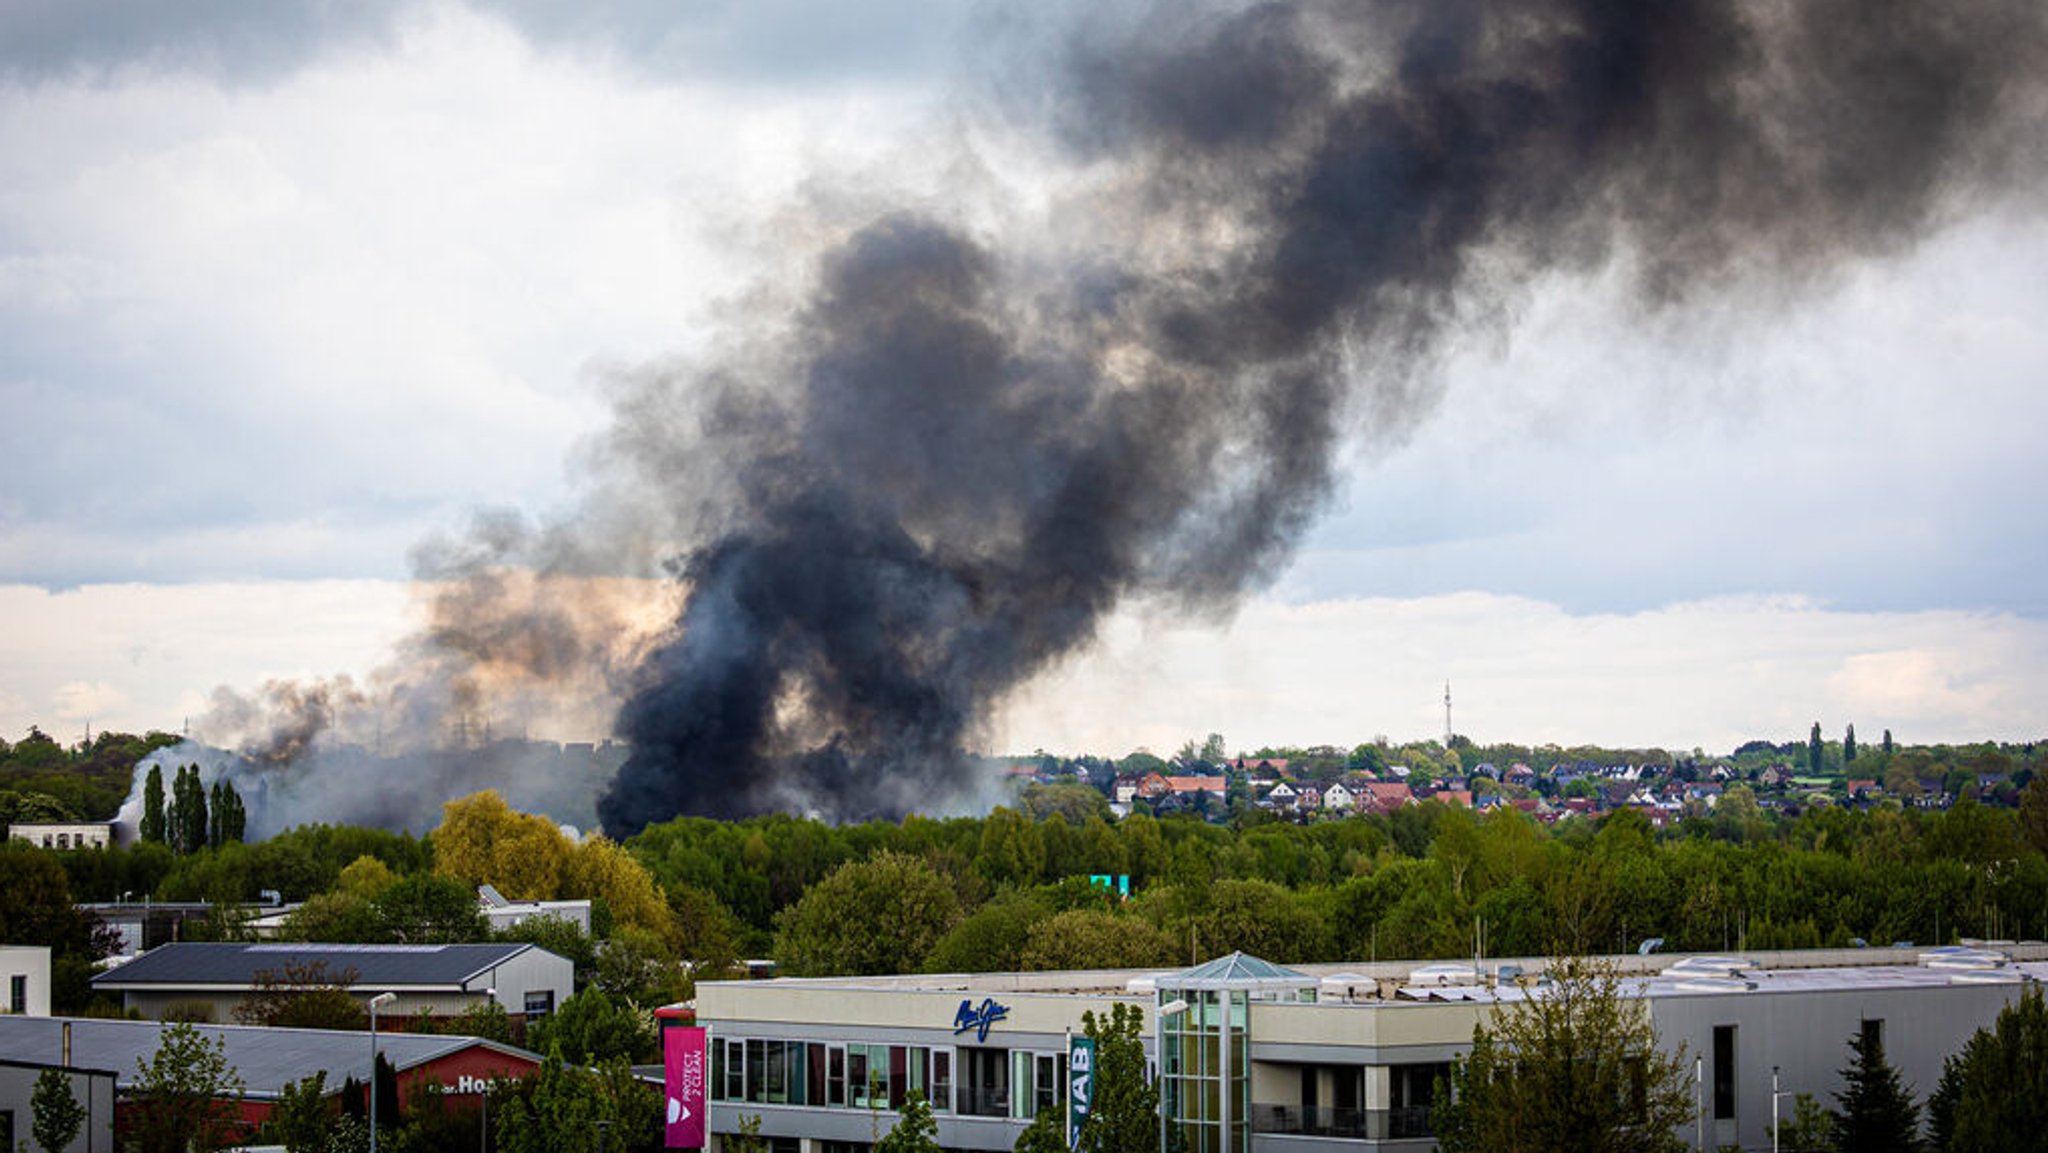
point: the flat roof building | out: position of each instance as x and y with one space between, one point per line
1321 1059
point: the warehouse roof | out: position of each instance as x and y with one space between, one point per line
267 1059
191 964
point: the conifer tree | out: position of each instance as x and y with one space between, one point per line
1874 1112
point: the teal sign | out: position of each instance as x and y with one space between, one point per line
1080 1086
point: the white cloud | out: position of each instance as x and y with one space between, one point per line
367 292
1708 673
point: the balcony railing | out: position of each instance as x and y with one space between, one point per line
1330 1121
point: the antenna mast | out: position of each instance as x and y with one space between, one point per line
1447 714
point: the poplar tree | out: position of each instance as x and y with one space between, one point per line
152 827
1814 749
1849 746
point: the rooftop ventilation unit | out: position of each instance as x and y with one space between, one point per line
1709 966
1444 975
1709 984
1961 958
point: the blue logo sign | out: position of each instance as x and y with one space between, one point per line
978 1017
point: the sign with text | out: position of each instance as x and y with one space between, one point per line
977 1018
1080 1086
682 1052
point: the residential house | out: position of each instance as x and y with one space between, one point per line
1384 796
1217 788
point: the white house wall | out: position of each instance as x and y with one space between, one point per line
31 963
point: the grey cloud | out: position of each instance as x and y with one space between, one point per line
780 41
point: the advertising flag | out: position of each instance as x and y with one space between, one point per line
1080 1086
682 1052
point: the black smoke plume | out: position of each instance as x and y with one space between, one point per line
937 477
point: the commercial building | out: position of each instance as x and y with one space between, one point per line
207 981
1325 1059
504 913
104 1056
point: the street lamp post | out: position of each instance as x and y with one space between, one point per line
377 1002
483 1133
1775 1094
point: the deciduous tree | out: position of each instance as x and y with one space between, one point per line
482 840
1095 939
914 1131
1125 1118
881 915
56 1114
1575 1065
185 1096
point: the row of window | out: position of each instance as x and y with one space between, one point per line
971 1081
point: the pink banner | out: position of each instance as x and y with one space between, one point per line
682 1053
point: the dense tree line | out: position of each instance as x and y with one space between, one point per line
42 780
1427 880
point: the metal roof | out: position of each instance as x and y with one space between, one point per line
1237 971
267 1059
192 964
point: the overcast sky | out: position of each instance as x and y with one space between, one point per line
285 289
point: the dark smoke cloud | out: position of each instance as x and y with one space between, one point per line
937 478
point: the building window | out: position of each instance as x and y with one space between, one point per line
540 1002
1724 1072
17 993
942 1080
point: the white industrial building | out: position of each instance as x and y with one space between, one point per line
63 834
1326 1059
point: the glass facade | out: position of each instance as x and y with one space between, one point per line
1205 1082
989 1082
1204 1023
